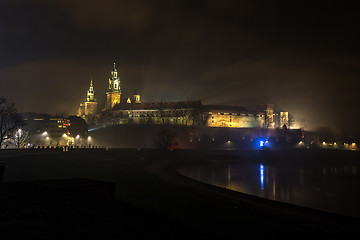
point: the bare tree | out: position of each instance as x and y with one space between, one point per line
10 120
20 137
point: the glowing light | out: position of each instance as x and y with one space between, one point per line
228 141
324 143
334 143
261 143
96 128
47 138
261 176
64 135
89 138
78 136
44 133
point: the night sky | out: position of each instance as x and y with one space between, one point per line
302 56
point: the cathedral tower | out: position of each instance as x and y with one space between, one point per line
90 103
114 91
88 109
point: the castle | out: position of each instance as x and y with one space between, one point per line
119 110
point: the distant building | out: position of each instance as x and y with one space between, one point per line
50 130
130 110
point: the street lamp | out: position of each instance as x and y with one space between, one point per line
89 140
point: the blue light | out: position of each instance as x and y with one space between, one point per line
262 176
93 129
261 143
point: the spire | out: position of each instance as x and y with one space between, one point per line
114 81
91 93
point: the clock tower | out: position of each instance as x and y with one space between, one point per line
113 93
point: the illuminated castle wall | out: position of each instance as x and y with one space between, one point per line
189 113
235 119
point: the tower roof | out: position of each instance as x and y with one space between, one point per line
114 81
91 93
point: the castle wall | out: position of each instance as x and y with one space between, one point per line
90 108
284 119
112 98
235 120
145 116
189 117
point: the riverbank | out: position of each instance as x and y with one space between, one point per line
152 199
312 218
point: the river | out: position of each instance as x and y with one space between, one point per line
331 186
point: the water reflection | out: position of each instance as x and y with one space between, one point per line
329 187
262 176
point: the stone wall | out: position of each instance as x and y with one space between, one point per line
235 120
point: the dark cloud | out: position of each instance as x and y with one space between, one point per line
302 56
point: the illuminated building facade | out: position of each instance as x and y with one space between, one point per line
234 117
269 116
55 131
131 110
284 119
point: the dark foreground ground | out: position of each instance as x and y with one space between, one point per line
131 194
